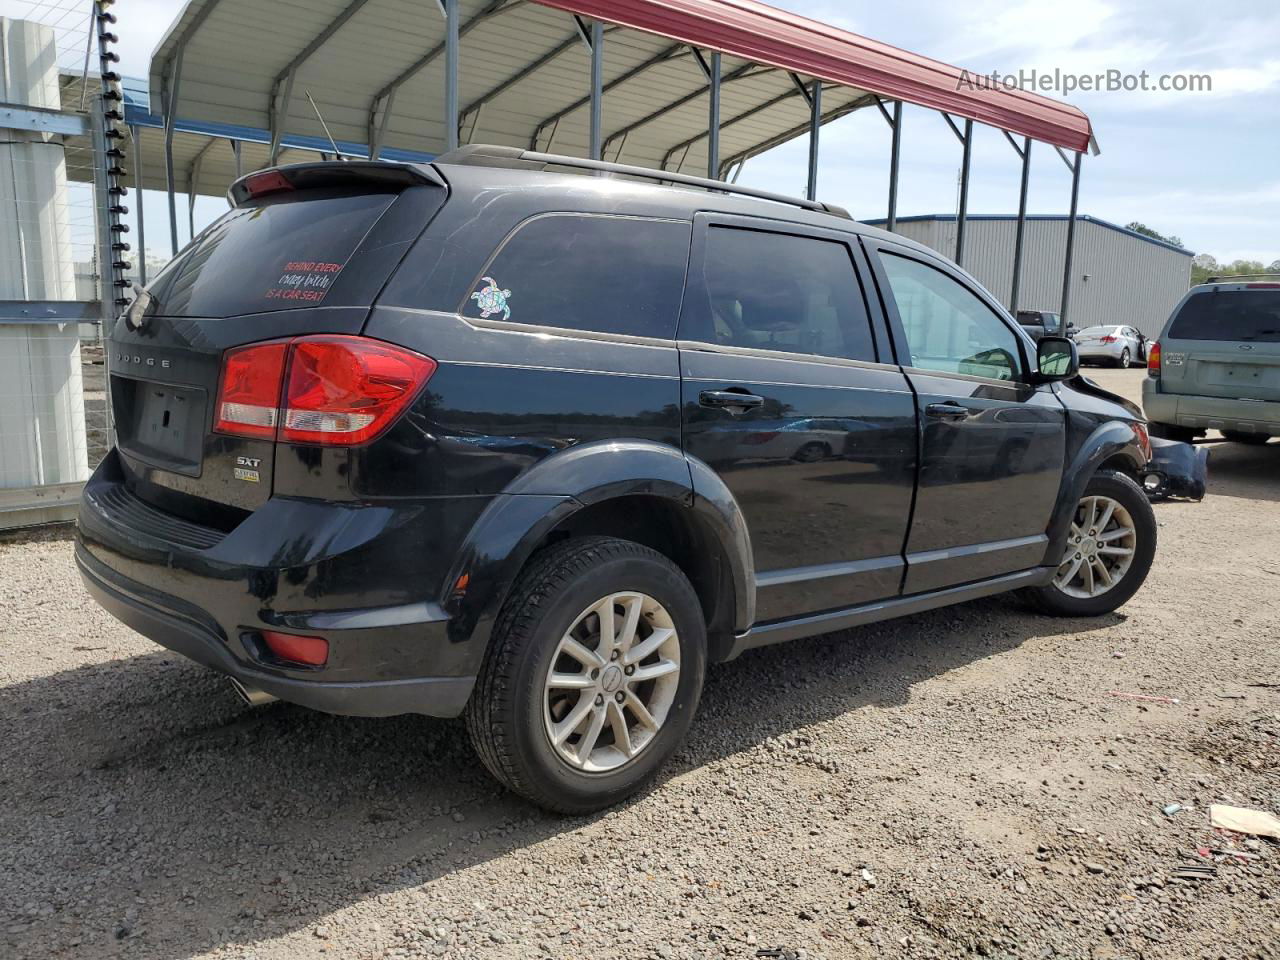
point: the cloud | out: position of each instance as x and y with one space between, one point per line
1247 80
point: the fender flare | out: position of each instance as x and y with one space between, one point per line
1107 440
517 520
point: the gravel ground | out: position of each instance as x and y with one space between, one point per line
953 783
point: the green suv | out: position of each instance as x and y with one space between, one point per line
1217 363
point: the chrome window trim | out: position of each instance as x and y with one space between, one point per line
948 375
702 346
566 333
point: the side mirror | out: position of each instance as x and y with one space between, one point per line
1056 358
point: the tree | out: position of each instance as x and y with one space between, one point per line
1146 231
1205 266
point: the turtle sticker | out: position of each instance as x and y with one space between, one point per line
491 299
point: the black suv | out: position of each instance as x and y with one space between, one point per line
482 437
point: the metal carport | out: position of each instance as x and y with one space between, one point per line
682 85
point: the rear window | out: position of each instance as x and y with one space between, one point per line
1229 315
620 275
280 254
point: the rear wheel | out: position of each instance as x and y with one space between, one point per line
1109 549
812 451
1254 438
1125 357
592 676
1167 431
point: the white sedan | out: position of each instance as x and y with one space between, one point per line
1118 345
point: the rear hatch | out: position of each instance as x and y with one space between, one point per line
305 250
1096 335
1225 342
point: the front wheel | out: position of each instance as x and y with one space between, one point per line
592 676
1109 549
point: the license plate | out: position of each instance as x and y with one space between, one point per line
161 423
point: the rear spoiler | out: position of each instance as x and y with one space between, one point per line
379 174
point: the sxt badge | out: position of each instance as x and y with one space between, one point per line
247 469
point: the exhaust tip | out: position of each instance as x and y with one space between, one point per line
252 695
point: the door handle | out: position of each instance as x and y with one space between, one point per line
946 411
731 400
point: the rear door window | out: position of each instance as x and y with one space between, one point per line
1252 315
284 252
606 274
779 291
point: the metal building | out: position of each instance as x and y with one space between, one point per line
1117 276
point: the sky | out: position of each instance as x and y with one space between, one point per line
1198 165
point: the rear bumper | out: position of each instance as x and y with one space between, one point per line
1100 351
433 696
1209 413
330 572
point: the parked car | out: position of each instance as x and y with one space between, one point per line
1042 323
1217 363
1114 344
437 439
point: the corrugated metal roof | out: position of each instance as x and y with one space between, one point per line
765 34
524 75
202 141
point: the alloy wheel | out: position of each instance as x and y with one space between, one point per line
611 682
1100 548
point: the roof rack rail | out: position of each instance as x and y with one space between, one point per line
497 156
1241 276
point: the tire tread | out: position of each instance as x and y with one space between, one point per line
1050 600
494 699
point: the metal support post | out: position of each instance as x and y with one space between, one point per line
136 134
963 212
713 119
597 88
895 154
1071 239
1020 236
815 129
451 74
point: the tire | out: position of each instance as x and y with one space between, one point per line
1256 439
1125 493
1125 359
812 452
510 715
1167 431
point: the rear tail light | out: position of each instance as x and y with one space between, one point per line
312 651
249 395
1153 359
330 390
1108 339
1143 437
347 389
